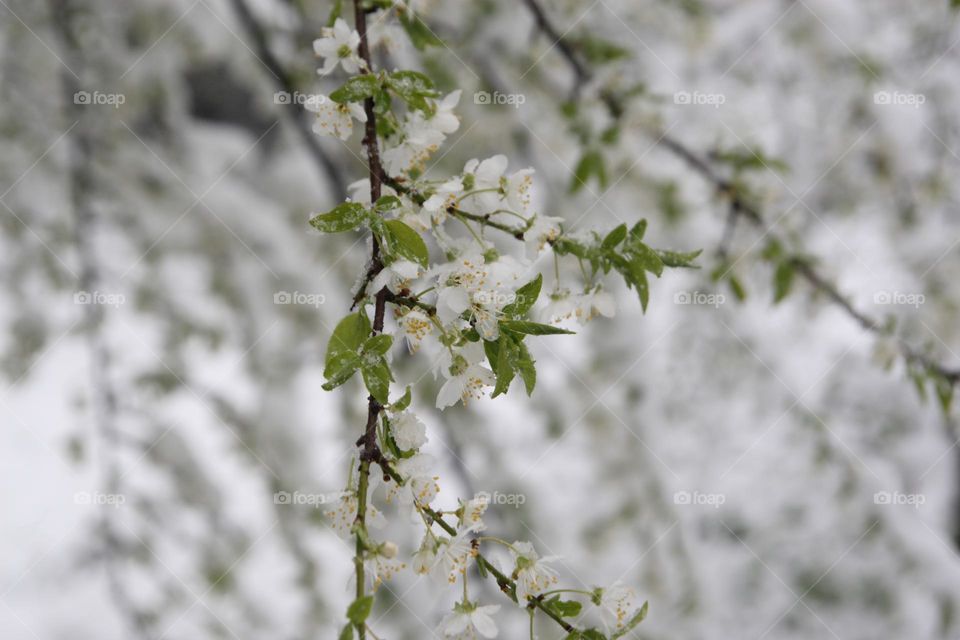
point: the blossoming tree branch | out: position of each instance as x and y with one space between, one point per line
453 293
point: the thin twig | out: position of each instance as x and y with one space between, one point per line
740 206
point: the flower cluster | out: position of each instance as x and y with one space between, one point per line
471 312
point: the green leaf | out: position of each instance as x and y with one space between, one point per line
637 231
737 287
359 610
400 241
526 297
356 89
615 237
378 344
413 88
387 203
344 344
335 12
403 402
420 34
527 368
347 633
679 258
599 51
377 379
492 349
590 165
344 217
632 623
506 359
532 328
564 608
944 388
782 280
646 258
344 371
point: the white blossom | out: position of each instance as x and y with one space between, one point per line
616 602
416 325
381 564
453 554
338 44
420 136
333 118
345 514
395 276
420 484
532 574
468 619
408 431
543 230
466 377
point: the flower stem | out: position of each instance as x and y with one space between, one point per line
370 450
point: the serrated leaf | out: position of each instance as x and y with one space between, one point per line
345 342
782 280
420 34
532 328
359 610
344 217
400 241
377 377
356 89
525 298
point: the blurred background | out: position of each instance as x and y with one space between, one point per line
756 459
